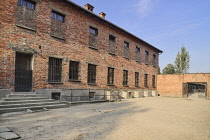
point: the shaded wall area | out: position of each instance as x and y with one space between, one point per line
173 84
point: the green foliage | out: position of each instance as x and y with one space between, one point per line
159 70
182 61
169 69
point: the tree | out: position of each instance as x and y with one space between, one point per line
159 70
182 61
169 69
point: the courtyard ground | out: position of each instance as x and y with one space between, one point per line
152 118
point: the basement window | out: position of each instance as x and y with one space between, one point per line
56 95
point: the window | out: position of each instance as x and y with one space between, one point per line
153 81
26 15
111 38
58 16
154 60
126 50
110 76
146 80
136 79
125 77
55 70
27 3
93 31
112 48
146 57
137 52
91 74
73 70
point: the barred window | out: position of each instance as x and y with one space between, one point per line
91 74
93 31
58 16
137 52
73 70
125 77
55 70
146 57
153 81
110 76
126 50
27 3
136 79
146 80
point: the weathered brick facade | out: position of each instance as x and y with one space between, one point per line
35 32
172 84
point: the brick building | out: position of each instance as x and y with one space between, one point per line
56 45
184 85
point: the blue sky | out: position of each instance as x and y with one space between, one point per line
165 24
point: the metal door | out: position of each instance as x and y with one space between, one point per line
23 73
185 90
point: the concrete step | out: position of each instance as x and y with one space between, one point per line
18 109
23 92
25 101
23 95
24 98
28 104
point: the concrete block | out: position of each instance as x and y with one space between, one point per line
4 92
8 135
154 93
4 129
147 93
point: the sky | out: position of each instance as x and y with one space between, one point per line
165 24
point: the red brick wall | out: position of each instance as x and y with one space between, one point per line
75 47
171 84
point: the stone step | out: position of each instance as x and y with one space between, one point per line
25 101
24 98
28 104
18 109
23 92
23 95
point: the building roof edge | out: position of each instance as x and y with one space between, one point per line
89 12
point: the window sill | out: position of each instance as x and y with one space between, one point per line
25 27
110 84
62 38
113 54
125 85
55 82
94 48
126 58
92 84
137 86
74 81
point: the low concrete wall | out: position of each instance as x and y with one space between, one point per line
74 95
4 92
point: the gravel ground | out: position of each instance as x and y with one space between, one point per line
153 118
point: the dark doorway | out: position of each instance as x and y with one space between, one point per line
23 73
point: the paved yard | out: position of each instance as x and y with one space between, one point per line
153 118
